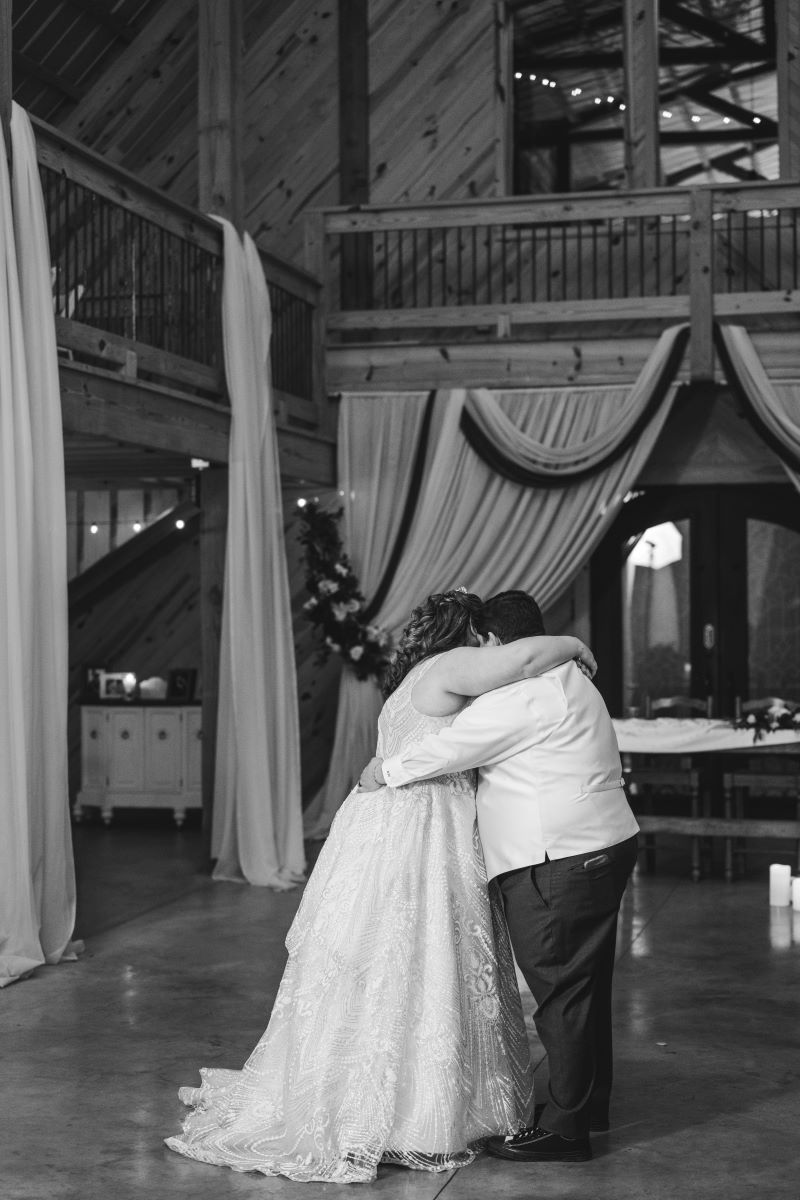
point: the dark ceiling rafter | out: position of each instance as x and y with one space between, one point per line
671 56
726 108
25 66
717 33
532 138
100 13
728 162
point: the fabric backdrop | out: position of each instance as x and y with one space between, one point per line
472 527
775 406
257 834
37 879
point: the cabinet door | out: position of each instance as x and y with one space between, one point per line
93 748
125 757
163 749
193 779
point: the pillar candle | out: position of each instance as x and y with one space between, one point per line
796 894
780 879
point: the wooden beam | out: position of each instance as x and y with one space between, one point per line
701 276
787 20
610 60
640 44
128 72
220 110
6 86
354 164
128 410
213 499
24 65
504 98
718 33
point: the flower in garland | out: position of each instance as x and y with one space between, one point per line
769 719
336 605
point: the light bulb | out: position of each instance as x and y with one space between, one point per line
756 120
179 524
301 503
92 529
137 527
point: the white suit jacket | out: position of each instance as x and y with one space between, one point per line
550 783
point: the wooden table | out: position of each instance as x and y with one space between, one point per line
683 737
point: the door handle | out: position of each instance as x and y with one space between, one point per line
709 637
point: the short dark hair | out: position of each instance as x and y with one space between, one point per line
512 615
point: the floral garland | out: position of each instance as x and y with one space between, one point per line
766 720
336 605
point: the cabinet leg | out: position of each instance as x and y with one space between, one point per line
179 815
107 814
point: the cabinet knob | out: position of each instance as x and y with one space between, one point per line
93 734
199 735
125 735
162 735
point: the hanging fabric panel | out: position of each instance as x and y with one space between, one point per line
474 528
257 834
37 880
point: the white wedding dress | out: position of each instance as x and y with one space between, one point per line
397 1033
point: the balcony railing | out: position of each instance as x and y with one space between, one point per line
130 262
411 272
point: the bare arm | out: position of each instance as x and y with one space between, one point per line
471 671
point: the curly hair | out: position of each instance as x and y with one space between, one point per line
444 620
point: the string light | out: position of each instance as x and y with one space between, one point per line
179 524
301 503
137 526
94 529
756 120
666 113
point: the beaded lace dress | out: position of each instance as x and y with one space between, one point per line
397 1033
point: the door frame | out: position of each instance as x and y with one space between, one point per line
718 580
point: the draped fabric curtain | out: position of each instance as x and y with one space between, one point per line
37 879
257 835
476 529
378 441
775 406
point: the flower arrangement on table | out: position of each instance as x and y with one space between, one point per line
767 720
335 604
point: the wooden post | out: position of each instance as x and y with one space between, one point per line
640 52
219 121
504 98
354 168
787 62
213 496
701 284
5 72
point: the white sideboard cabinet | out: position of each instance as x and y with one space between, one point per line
140 756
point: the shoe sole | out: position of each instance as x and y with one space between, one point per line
532 1156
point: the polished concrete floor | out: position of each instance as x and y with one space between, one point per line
180 972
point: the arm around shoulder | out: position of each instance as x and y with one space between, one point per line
468 671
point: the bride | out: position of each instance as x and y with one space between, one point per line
397 1033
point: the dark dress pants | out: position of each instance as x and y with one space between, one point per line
562 921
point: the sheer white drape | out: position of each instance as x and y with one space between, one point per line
777 404
37 881
475 529
257 834
378 437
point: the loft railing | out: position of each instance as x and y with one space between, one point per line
664 254
130 262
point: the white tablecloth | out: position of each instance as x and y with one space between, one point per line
690 735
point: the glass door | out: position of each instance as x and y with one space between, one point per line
696 592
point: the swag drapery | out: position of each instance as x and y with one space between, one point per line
257 835
37 879
773 407
561 462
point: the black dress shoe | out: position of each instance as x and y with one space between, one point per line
540 1145
597 1123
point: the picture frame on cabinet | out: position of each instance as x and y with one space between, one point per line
112 685
181 683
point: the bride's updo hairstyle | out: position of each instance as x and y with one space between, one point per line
443 621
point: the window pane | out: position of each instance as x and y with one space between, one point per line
655 616
773 611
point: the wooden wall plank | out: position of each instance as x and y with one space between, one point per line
220 111
640 51
787 62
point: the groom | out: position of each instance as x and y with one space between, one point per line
560 840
